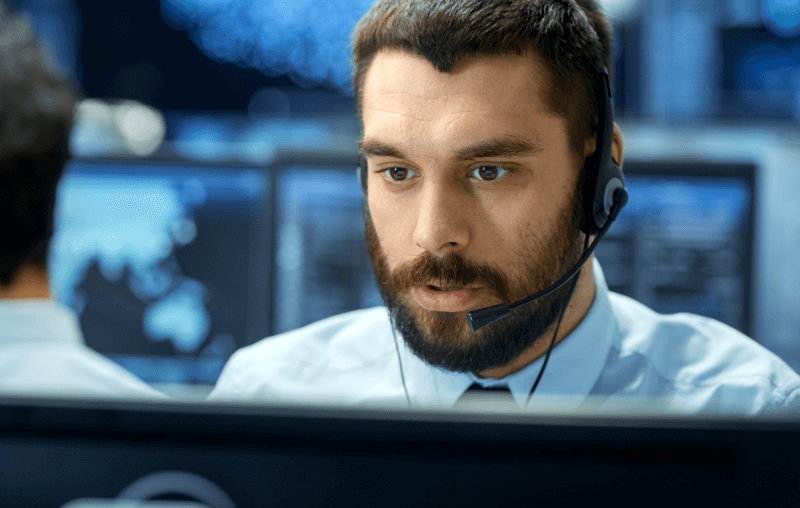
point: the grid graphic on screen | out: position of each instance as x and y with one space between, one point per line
682 244
322 265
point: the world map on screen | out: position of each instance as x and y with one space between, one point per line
129 225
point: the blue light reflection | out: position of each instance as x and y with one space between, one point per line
782 17
305 39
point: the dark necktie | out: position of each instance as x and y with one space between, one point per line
494 397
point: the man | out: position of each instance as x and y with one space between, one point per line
41 349
481 120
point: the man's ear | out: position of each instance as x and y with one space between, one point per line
616 146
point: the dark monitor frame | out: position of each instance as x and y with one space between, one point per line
54 451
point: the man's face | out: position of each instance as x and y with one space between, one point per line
471 192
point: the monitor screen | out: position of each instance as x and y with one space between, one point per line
167 264
684 241
759 77
322 266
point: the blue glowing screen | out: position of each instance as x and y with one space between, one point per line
322 265
683 244
306 39
760 75
782 16
156 260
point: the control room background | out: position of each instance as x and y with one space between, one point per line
212 197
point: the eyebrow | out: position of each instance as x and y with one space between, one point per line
504 146
378 149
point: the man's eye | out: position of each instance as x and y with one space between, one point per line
489 173
399 174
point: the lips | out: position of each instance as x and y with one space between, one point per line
441 289
435 290
441 298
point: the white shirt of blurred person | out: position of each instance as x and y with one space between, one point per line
478 117
42 352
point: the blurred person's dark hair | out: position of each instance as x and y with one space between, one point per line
37 106
572 37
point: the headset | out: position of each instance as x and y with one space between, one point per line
604 196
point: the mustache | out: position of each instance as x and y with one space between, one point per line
450 270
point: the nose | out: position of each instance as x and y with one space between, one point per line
442 219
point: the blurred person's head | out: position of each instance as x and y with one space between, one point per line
36 114
478 118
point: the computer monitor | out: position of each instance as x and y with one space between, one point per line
684 241
758 80
166 263
321 263
80 454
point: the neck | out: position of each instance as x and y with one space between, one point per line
578 307
30 281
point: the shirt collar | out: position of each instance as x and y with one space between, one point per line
37 321
574 365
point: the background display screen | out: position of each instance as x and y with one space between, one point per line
164 263
172 267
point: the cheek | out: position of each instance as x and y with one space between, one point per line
508 245
520 235
502 223
389 221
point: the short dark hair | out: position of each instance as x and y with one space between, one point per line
37 107
573 38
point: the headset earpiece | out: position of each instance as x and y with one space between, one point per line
603 175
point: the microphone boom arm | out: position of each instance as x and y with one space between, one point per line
479 318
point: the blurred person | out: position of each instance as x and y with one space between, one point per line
41 348
489 172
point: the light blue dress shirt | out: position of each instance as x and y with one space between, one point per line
42 353
621 357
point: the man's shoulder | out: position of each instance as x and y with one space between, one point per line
350 345
694 353
344 335
677 341
42 352
63 369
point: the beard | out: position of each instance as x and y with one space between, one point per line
444 339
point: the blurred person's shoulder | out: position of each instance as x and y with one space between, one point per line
339 359
695 363
64 370
42 353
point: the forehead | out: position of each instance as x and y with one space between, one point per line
482 95
390 71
